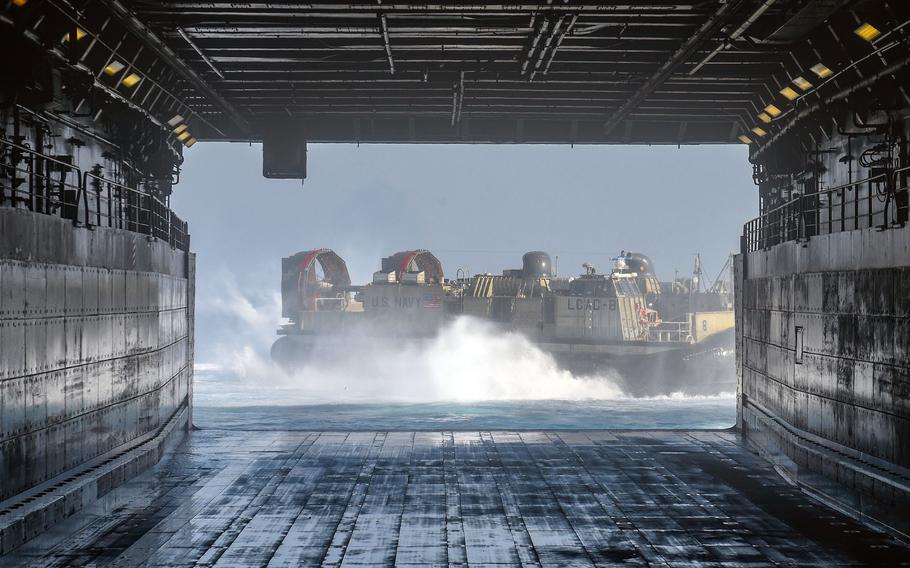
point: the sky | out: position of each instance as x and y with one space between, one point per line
477 207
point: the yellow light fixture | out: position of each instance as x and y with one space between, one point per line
802 83
183 135
759 130
789 93
867 31
20 2
131 80
764 117
773 110
175 120
822 71
745 139
80 33
180 129
189 142
114 67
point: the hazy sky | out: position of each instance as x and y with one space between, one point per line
477 207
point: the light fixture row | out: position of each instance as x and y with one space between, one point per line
866 31
180 129
115 67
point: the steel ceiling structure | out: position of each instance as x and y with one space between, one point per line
472 71
548 71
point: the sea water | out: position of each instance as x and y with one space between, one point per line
663 412
471 376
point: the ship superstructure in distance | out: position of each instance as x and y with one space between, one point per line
656 337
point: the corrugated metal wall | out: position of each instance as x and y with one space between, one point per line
833 406
94 343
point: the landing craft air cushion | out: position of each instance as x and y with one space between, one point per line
654 337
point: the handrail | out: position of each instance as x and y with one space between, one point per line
670 331
828 190
115 205
829 211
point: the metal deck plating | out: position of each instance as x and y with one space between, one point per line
257 498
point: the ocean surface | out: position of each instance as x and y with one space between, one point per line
471 377
674 412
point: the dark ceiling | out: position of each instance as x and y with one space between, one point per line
562 71
444 71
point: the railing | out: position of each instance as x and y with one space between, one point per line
672 331
53 186
879 201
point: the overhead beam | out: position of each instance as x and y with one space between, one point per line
542 55
539 30
457 100
384 30
198 50
679 57
444 7
734 36
562 36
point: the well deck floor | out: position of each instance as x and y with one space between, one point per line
267 498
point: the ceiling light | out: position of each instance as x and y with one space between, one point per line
189 142
180 129
789 93
759 130
745 139
822 71
131 80
867 31
114 67
802 83
80 33
764 117
177 119
772 110
183 135
20 2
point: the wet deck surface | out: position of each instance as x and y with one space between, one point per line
234 499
